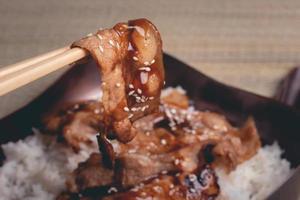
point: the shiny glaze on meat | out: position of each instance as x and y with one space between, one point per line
129 57
200 185
176 142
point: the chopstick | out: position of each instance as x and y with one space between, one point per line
26 63
22 73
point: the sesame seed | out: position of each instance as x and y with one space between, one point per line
135 58
143 193
157 189
152 144
130 116
164 82
144 99
118 84
146 63
133 109
138 99
99 37
76 106
177 161
111 190
89 35
144 108
126 109
130 86
103 83
151 98
153 61
132 151
163 141
135 189
111 42
192 177
131 92
118 46
101 49
139 91
192 190
164 172
96 111
172 186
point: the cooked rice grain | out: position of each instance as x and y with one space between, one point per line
36 168
256 178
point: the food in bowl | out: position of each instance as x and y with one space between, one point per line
166 150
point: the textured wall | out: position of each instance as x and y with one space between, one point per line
249 44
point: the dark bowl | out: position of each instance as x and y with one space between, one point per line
275 121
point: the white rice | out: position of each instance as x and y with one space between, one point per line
256 178
36 168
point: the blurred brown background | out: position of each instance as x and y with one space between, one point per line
248 44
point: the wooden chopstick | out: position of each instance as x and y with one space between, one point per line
25 63
23 74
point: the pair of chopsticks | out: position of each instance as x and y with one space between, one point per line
24 72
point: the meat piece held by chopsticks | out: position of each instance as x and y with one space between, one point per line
129 57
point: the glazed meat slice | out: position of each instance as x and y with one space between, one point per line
129 57
133 168
159 149
91 173
237 147
232 146
136 165
76 124
136 168
201 185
